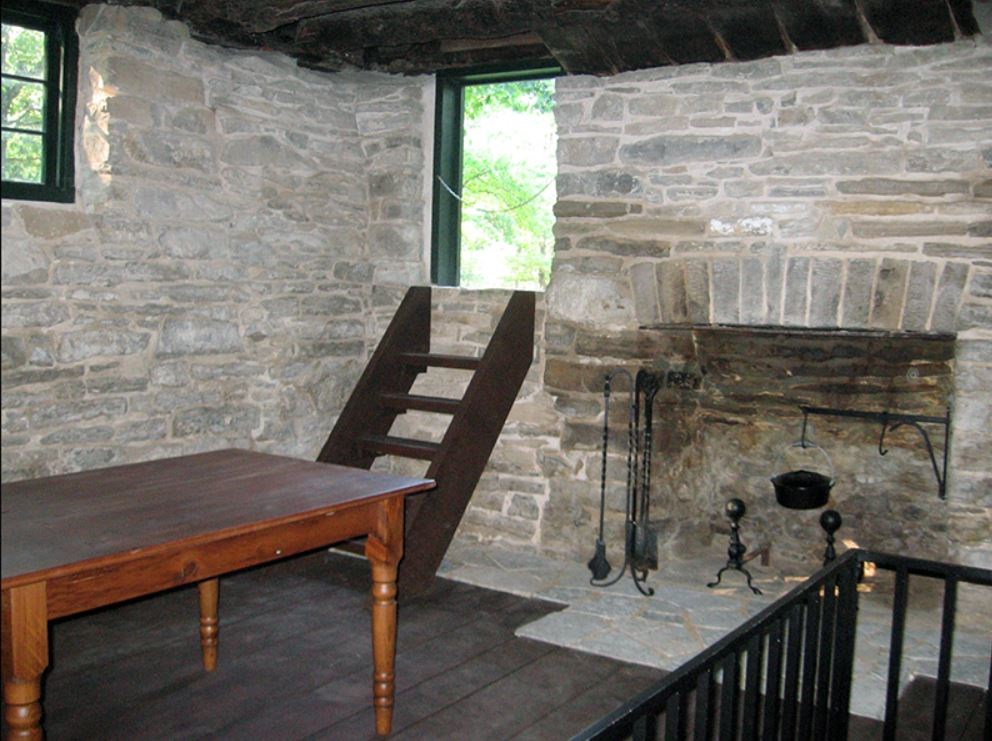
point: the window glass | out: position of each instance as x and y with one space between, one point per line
24 105
508 192
38 99
22 158
494 179
23 51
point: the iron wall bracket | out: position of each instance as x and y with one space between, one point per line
891 421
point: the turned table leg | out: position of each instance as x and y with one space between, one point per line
25 656
383 548
383 644
209 591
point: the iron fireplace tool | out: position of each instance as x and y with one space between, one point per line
645 553
598 564
735 510
637 561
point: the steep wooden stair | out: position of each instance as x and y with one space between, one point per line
362 431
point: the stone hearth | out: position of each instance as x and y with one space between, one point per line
683 617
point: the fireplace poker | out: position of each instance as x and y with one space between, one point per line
645 537
598 564
640 553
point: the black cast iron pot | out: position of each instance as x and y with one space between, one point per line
804 489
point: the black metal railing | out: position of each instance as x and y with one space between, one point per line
786 673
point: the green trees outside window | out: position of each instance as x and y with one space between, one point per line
508 188
494 190
23 103
39 56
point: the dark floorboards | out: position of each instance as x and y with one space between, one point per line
295 662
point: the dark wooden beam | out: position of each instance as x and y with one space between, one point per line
451 46
820 24
565 5
428 21
919 22
264 17
750 33
584 36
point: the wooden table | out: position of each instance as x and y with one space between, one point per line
75 542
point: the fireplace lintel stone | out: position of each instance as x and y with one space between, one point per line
788 330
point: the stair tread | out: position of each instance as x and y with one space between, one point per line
441 360
420 402
401 446
361 433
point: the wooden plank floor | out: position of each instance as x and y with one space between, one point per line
295 662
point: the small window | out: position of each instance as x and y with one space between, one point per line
40 53
494 179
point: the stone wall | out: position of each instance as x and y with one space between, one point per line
212 283
514 489
849 188
244 229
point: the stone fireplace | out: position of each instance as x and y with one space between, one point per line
728 415
811 229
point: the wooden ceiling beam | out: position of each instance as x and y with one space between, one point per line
585 36
929 22
567 5
423 22
451 46
820 24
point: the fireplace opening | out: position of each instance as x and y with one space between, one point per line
731 398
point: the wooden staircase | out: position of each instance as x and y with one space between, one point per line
362 431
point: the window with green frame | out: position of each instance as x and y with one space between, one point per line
484 195
40 55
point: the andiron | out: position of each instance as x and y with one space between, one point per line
830 521
735 510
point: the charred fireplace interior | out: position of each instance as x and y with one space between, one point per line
727 419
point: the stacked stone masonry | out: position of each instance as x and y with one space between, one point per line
244 229
212 284
849 188
846 188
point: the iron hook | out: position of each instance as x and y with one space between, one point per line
881 439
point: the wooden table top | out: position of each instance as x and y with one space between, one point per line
59 522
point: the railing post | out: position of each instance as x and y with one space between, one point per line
811 635
751 720
811 627
899 604
944 662
704 693
845 635
728 698
646 728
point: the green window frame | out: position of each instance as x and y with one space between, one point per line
449 115
57 83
